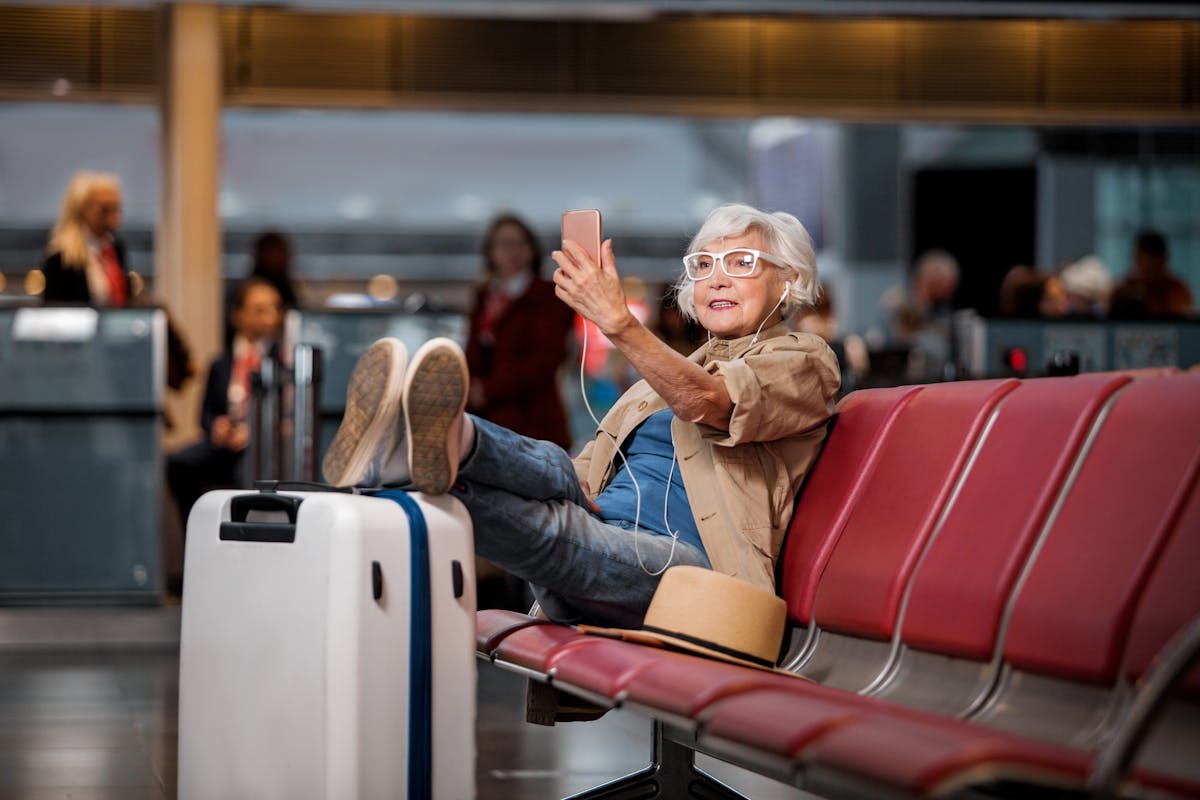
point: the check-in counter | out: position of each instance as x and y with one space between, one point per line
342 335
1034 347
81 464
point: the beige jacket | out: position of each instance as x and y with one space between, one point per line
741 483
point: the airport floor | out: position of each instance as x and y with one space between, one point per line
89 700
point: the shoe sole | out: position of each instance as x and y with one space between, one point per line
372 405
435 394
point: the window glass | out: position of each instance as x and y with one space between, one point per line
1165 197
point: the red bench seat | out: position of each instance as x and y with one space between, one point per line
1017 551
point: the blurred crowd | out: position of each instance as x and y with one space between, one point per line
1086 289
520 336
523 344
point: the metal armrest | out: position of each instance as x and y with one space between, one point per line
1171 667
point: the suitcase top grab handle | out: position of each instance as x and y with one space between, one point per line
268 487
241 528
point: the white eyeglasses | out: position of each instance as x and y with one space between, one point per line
739 263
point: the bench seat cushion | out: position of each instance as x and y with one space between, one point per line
492 625
924 754
606 667
536 648
777 721
684 687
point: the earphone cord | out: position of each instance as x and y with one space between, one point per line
786 288
637 513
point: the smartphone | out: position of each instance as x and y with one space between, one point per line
583 227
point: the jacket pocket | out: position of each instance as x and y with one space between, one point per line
743 483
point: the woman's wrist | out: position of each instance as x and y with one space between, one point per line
624 323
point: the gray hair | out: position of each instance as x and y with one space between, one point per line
1088 278
783 237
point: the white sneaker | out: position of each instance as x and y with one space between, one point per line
435 394
370 431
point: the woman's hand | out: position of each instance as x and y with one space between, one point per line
222 429
592 290
229 435
587 492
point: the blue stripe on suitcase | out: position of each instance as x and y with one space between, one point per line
420 699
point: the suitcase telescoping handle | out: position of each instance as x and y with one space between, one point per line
241 528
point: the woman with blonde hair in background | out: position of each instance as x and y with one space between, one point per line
85 262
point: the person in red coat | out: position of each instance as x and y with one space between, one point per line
518 337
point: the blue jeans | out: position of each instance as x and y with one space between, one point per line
532 518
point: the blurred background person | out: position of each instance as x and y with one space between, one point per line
682 334
928 300
272 261
605 372
85 262
1150 290
1054 301
821 319
920 317
517 337
213 461
620 371
1088 287
516 342
1029 293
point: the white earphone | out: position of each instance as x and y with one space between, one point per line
787 287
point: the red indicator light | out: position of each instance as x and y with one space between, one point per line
1016 359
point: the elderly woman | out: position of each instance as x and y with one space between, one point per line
697 464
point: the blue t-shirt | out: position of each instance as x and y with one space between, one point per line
649 453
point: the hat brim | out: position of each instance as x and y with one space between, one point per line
654 639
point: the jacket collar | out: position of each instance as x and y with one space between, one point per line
729 349
512 287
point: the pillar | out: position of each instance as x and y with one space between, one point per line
188 240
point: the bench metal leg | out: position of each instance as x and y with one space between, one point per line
672 773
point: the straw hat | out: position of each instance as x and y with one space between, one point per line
712 614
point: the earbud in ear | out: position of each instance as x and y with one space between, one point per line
787 287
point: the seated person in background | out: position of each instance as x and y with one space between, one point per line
1150 290
1055 302
921 318
927 303
712 447
851 350
1028 293
213 461
1088 287
85 262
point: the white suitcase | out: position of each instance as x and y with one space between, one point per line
327 647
